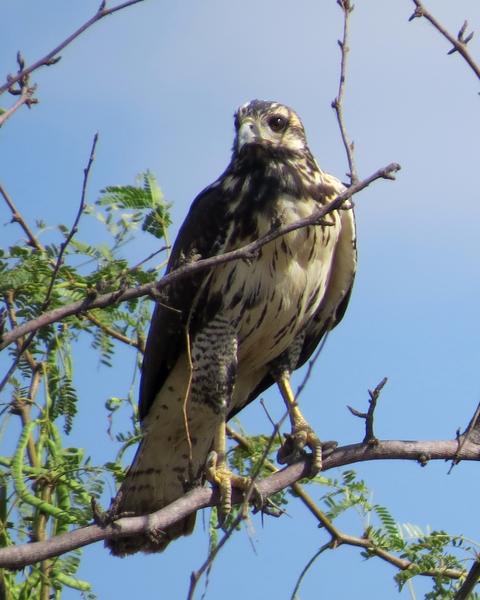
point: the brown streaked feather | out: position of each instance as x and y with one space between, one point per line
202 235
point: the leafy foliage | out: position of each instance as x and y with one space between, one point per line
46 486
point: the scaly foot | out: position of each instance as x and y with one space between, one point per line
302 435
220 475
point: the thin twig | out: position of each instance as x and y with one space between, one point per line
20 87
370 414
296 487
337 104
307 568
459 43
467 436
114 333
26 97
311 364
144 260
53 56
122 295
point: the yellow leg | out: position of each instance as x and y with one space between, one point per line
302 434
219 474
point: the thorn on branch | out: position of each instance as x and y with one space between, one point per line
53 61
471 435
461 39
20 61
417 13
370 437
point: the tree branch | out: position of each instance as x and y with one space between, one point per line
53 56
470 582
337 104
459 44
246 252
18 218
26 97
15 557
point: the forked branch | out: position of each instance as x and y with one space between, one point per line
459 43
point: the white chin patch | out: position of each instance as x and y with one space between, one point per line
246 134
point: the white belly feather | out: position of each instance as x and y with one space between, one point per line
287 283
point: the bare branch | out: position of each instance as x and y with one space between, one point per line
74 228
18 218
15 557
53 56
122 295
337 104
26 97
369 415
459 44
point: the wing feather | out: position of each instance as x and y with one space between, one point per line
202 235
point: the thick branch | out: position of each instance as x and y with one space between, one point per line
463 593
246 252
19 556
53 56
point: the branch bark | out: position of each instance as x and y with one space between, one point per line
246 252
15 557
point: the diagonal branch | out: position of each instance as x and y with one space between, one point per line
26 97
18 218
337 104
53 56
15 557
246 252
459 44
470 582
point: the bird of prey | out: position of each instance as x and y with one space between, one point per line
222 336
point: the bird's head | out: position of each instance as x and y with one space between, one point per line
268 126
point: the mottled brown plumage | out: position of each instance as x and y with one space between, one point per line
224 336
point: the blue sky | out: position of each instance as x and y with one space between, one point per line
160 82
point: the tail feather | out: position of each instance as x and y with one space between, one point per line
145 491
168 462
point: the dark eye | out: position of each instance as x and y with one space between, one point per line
277 123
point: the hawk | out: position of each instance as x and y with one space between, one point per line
225 335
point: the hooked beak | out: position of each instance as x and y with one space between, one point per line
247 134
